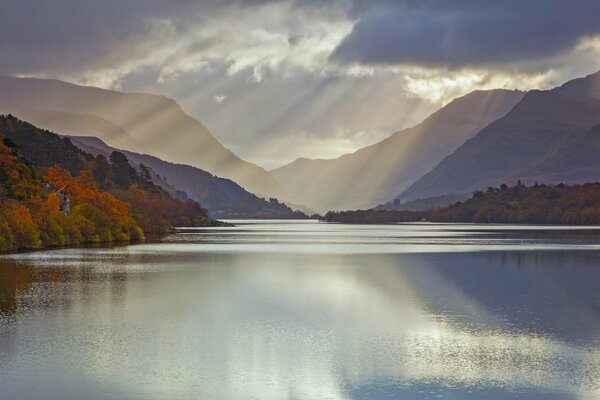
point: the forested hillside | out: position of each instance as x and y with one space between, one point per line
223 198
539 204
53 194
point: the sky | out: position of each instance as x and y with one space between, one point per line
278 80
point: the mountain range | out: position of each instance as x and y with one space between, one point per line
379 172
142 123
482 139
539 139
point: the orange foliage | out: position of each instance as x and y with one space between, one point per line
156 211
29 219
109 217
62 209
23 229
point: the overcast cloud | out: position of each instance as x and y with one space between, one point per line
468 33
276 80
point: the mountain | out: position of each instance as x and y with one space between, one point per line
536 140
586 87
137 122
222 197
377 173
575 161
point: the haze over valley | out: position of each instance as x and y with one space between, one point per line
481 139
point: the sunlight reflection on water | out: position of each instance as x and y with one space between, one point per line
308 311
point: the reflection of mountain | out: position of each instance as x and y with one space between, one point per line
139 122
523 291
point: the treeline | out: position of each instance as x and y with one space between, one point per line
423 204
275 210
539 204
53 194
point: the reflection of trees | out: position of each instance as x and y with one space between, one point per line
55 287
14 277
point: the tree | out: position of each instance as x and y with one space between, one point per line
121 171
101 169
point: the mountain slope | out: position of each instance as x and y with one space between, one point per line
542 122
377 173
222 197
575 161
586 87
138 122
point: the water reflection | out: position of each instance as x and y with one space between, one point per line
179 320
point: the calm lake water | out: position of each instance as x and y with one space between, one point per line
308 310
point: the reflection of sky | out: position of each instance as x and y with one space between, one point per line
134 322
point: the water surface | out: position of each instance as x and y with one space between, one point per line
307 310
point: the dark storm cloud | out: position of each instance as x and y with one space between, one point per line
466 32
270 60
49 36
68 36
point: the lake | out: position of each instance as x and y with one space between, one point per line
308 310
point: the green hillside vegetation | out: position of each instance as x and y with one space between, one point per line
539 204
53 194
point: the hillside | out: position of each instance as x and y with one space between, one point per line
575 161
65 196
137 122
506 149
539 204
222 197
34 214
586 87
375 174
423 204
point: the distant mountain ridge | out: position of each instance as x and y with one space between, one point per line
482 139
539 139
137 122
377 173
222 197
586 87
